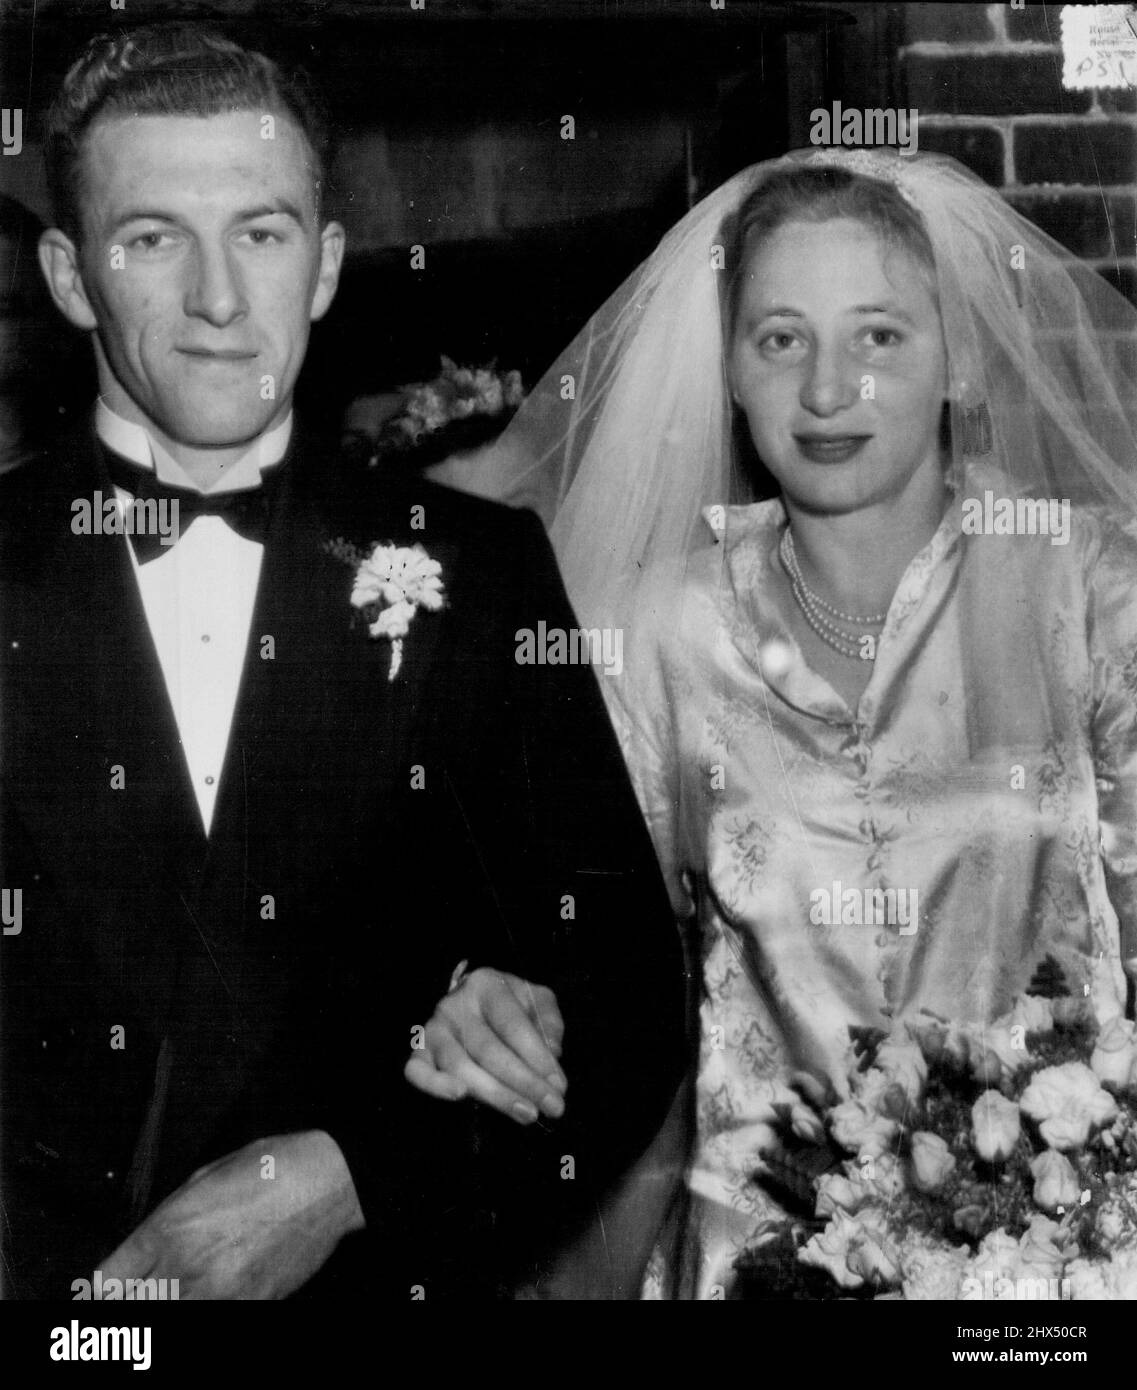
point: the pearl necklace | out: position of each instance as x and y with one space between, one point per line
814 609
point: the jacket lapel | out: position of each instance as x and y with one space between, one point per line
83 687
313 697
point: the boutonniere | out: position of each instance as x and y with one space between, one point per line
392 582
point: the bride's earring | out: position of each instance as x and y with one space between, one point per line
974 420
977 433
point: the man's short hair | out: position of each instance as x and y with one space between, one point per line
172 69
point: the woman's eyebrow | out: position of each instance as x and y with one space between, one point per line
894 309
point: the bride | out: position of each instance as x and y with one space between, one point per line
859 692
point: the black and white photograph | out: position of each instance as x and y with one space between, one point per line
568 670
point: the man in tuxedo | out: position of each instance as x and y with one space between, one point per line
249 829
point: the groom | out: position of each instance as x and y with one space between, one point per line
248 830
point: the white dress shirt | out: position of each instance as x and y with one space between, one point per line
198 596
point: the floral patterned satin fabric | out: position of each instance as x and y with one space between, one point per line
774 806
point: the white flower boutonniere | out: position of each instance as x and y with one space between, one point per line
391 584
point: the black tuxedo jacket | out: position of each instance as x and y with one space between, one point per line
172 997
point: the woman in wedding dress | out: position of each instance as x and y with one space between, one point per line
882 725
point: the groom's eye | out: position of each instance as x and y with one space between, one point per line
260 236
150 241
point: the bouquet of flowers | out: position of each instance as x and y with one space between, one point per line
979 1162
460 409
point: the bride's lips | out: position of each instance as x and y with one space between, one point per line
830 448
217 354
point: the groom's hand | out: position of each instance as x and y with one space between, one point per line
495 1038
245 1227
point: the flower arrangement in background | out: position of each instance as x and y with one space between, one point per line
457 394
460 408
978 1163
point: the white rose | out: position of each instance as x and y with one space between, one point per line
1115 1053
870 1087
873 1256
932 1162
994 1055
903 1064
1123 1275
1067 1102
883 1180
860 1186
998 1252
861 1130
829 1249
1040 1255
931 1270
1087 1279
996 1259
835 1192
1055 1182
1113 1280
995 1126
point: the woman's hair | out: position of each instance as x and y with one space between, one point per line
819 195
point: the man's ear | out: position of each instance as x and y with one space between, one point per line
331 259
59 261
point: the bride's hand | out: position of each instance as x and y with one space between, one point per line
496 1039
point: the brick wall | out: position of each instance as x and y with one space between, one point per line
987 82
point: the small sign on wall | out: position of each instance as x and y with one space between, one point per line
1099 46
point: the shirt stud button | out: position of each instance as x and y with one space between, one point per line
209 781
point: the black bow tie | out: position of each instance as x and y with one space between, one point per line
247 511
